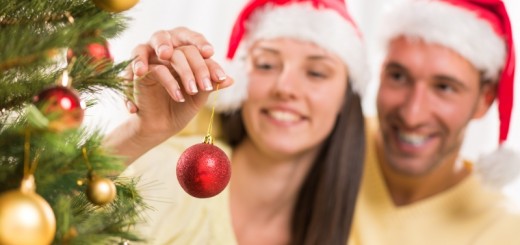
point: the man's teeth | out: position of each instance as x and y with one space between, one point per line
284 116
413 139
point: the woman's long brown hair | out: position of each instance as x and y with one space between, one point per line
325 205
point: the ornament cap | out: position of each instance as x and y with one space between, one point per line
28 184
65 80
208 139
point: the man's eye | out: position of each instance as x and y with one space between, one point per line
397 76
444 87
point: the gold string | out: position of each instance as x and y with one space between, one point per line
34 163
29 168
210 127
26 153
84 150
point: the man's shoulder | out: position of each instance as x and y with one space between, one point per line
503 229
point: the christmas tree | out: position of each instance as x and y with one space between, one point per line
57 183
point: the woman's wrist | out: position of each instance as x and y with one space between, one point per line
131 140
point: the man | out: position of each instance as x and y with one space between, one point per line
437 76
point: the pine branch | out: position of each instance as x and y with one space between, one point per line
35 36
42 39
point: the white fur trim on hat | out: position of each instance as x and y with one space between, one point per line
499 168
324 27
454 27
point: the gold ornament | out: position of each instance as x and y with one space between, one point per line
101 191
25 217
115 6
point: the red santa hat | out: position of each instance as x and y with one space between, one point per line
480 31
326 23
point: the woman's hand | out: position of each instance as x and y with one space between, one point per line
173 76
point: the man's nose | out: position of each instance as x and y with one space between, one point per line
416 106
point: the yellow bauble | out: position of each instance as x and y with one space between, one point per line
101 191
25 218
115 5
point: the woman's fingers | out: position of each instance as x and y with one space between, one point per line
217 74
162 45
162 75
182 36
141 55
182 68
197 67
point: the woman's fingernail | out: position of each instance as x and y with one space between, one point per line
179 96
207 84
128 104
131 107
193 86
161 49
137 65
220 75
207 48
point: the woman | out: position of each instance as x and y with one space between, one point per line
296 130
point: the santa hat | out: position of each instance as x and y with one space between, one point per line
480 31
326 23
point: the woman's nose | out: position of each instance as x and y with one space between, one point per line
288 82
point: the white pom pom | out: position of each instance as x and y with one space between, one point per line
499 168
230 99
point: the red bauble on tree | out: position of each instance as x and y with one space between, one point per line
61 106
99 54
203 170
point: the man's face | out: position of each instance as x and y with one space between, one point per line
427 96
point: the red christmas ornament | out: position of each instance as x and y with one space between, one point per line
203 170
61 106
99 53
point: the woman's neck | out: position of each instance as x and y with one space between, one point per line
263 192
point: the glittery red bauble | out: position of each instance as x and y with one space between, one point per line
203 170
97 52
61 106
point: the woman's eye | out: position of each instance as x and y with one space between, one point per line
263 66
317 74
